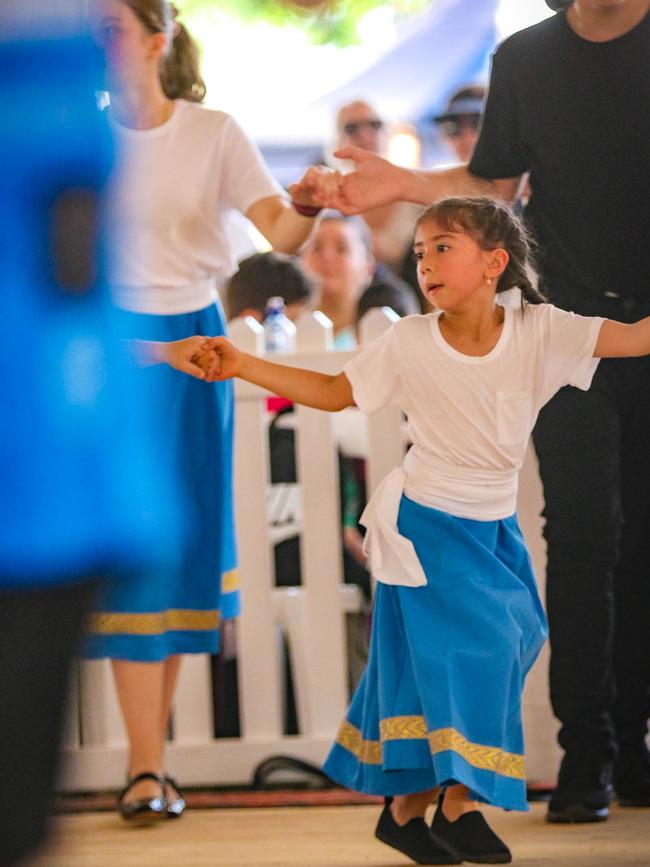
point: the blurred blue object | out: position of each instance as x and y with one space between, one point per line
79 490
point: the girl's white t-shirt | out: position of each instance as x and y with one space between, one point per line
175 189
470 418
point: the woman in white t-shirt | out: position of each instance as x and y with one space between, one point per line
457 619
183 170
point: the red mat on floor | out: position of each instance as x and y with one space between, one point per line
204 800
213 799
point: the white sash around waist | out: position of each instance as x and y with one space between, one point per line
492 496
166 300
392 557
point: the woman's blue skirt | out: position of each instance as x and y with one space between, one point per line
148 615
440 700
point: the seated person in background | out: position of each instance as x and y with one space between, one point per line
359 124
260 277
391 293
338 256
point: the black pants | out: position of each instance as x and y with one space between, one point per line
39 635
594 454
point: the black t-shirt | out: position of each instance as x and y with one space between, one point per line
576 115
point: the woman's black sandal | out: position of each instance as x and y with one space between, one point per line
143 811
412 839
175 806
469 838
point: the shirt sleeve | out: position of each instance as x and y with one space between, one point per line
500 151
569 341
246 178
374 374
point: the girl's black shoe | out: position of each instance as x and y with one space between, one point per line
469 838
143 811
412 839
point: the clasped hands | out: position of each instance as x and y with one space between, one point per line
208 358
373 182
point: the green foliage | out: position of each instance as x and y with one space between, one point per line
329 22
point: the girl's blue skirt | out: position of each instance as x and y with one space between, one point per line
150 614
440 700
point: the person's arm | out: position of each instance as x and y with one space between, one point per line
376 182
179 354
619 340
284 228
318 390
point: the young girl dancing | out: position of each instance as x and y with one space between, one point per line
457 618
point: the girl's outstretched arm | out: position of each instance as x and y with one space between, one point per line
619 340
318 390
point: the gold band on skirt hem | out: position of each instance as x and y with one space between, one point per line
485 758
156 623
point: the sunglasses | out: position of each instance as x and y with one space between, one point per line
453 127
353 127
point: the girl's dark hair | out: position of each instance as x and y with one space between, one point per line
179 71
491 224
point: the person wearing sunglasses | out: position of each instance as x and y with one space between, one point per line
359 124
459 124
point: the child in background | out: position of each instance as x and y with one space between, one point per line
457 619
396 295
262 276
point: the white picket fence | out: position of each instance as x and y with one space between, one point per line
311 616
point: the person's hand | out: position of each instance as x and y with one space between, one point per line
182 355
374 182
317 188
227 359
208 361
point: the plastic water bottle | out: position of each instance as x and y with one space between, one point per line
279 330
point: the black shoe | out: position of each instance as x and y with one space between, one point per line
175 806
469 838
412 839
143 811
632 776
583 792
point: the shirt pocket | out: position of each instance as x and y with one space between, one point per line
514 416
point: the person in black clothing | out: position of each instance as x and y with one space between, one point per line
569 102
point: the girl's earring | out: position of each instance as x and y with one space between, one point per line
489 281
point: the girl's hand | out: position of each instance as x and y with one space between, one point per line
319 187
227 358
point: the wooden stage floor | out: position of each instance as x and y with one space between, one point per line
328 837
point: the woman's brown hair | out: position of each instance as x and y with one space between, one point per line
491 224
179 70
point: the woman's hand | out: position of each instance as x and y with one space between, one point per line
182 355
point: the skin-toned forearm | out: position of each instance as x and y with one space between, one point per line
148 352
424 187
619 340
289 230
307 387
